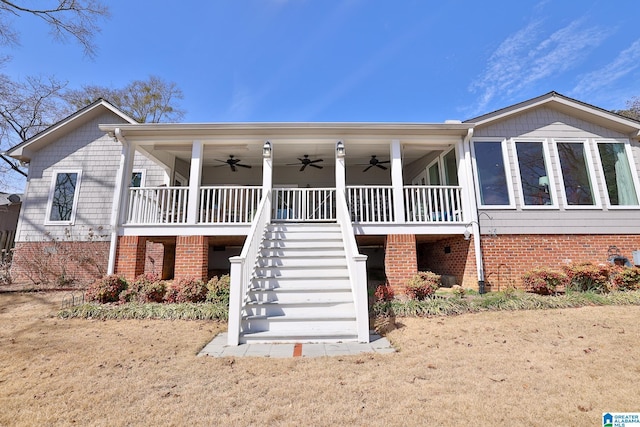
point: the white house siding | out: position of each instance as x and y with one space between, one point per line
97 155
550 124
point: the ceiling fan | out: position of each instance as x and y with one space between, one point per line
233 162
375 162
306 161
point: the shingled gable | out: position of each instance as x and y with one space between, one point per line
562 103
24 151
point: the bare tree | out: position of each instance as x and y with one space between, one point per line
153 100
633 108
75 19
26 108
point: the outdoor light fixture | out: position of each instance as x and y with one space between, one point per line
340 149
266 150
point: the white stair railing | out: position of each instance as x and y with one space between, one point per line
370 204
242 268
157 205
228 204
357 265
304 204
433 203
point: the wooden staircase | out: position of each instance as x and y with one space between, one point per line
300 290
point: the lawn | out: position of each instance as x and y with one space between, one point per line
537 367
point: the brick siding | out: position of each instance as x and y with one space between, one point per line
192 257
45 263
453 256
400 261
508 257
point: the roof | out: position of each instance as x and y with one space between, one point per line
23 150
568 105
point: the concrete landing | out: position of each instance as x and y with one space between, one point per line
219 348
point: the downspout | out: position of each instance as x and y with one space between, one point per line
117 199
475 220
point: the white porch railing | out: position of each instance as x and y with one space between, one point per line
228 204
157 205
304 204
357 265
370 204
430 203
242 268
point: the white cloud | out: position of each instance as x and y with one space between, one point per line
627 61
530 55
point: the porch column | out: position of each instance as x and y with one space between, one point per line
119 205
469 193
267 167
341 180
400 260
194 182
192 257
397 181
131 256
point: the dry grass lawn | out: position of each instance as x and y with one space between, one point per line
556 367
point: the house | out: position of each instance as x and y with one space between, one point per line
301 213
9 211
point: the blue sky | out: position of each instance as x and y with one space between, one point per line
354 60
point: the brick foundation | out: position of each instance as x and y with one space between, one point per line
400 260
131 256
453 256
154 258
192 257
59 264
508 257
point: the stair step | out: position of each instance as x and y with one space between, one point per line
268 297
300 283
302 244
303 251
297 337
305 226
316 262
306 235
300 308
302 272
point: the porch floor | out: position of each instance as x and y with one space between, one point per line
218 348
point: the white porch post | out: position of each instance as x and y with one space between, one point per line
397 181
119 205
194 182
267 167
465 167
341 180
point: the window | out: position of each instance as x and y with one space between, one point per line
434 174
63 197
574 165
618 178
493 188
450 168
137 178
534 177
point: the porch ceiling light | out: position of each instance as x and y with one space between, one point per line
340 149
266 150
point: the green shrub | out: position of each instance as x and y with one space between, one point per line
543 281
588 277
107 289
422 285
186 290
218 289
626 279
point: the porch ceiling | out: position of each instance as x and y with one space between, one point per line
289 151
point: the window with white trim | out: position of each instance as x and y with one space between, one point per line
535 177
577 181
620 188
138 178
493 188
63 196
